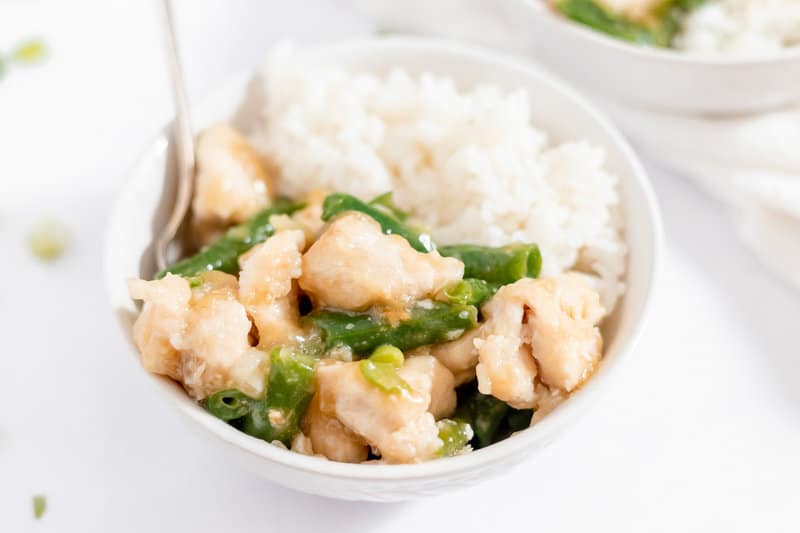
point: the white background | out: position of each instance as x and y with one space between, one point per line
702 432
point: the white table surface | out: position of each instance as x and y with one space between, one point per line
702 432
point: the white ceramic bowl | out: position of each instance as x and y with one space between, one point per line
557 109
658 79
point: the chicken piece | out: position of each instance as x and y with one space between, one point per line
216 352
267 288
285 223
232 180
425 374
546 400
506 370
163 318
302 444
562 323
353 266
198 337
636 10
331 438
545 328
310 217
459 356
398 425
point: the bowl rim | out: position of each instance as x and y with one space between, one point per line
658 54
564 415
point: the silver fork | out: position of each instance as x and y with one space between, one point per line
183 139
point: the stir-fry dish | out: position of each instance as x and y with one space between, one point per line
386 268
732 27
337 327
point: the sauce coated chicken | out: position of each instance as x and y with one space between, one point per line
354 266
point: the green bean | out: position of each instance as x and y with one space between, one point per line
688 5
363 332
491 419
660 31
592 14
229 404
503 265
484 413
519 419
290 386
289 390
338 203
385 201
223 254
469 291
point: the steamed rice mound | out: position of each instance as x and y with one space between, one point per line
741 27
468 163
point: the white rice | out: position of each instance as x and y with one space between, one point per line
741 27
470 164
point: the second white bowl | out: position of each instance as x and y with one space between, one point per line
661 80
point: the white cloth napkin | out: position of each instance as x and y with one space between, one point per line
750 162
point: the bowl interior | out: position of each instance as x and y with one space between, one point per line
555 108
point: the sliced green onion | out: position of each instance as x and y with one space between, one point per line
384 376
195 281
455 435
48 239
30 52
39 506
386 353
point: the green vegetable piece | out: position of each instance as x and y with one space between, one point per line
39 506
29 52
383 376
277 416
381 369
195 281
484 413
592 14
688 5
3 68
363 332
229 404
385 201
469 291
455 435
503 265
519 419
388 354
660 30
223 254
667 17
338 203
48 239
289 389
